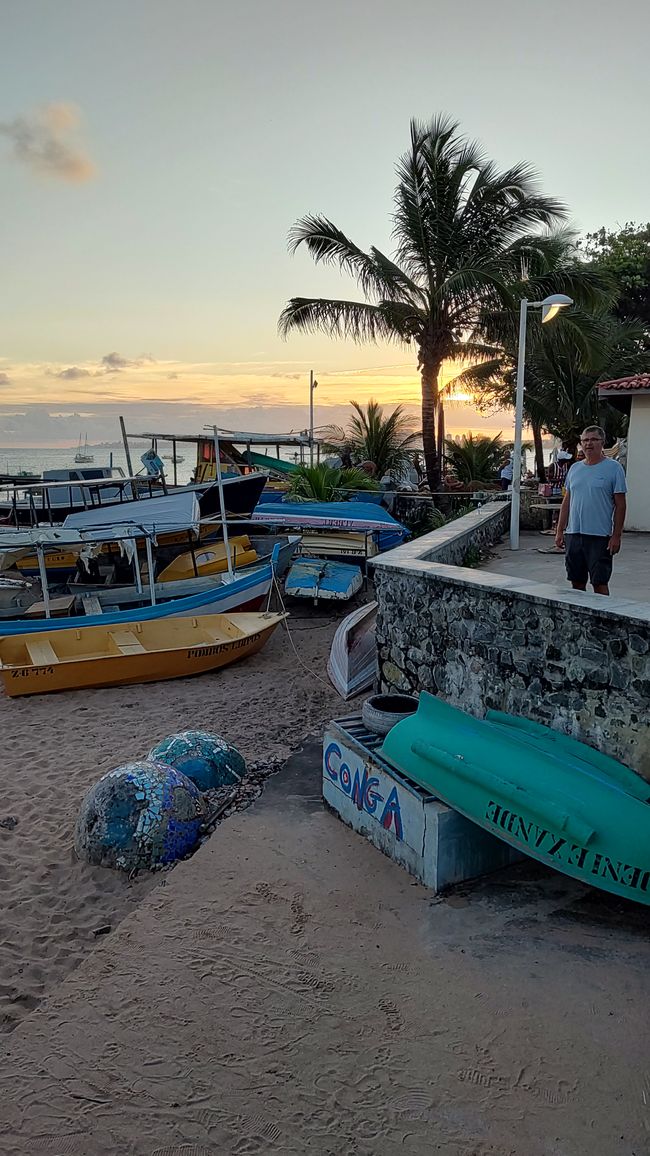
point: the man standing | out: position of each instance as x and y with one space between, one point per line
592 514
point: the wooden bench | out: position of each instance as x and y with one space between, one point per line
59 608
126 642
40 652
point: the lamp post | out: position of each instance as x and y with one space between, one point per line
312 386
549 307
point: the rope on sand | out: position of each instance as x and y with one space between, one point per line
285 624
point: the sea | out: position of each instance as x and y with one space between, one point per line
16 461
34 461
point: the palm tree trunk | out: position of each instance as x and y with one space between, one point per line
441 437
429 374
539 451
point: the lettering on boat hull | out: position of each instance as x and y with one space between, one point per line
563 852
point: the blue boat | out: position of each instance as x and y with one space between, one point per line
246 591
350 517
316 578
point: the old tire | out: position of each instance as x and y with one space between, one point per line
380 712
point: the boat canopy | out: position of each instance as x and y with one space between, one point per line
359 516
179 511
93 527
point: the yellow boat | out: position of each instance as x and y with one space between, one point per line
95 656
210 560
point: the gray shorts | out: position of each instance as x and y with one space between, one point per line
587 557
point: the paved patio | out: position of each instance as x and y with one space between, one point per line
536 560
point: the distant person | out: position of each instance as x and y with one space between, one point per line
505 476
592 514
556 475
559 469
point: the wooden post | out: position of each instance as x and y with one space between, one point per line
127 451
42 569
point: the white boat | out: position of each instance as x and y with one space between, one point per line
176 460
352 664
83 455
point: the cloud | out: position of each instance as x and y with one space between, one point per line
41 140
5 379
115 363
172 377
72 374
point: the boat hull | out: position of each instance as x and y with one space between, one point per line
88 671
245 592
241 495
209 559
316 579
352 663
562 811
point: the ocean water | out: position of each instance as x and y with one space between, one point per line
14 461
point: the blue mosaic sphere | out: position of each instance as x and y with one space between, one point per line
208 760
139 816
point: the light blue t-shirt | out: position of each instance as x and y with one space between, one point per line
592 489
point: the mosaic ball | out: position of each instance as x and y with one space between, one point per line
208 760
139 816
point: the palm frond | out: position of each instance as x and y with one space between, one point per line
323 483
348 320
376 275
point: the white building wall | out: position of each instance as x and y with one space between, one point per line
638 465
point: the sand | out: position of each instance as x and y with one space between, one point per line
290 990
56 746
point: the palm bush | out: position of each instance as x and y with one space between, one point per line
385 441
323 483
475 459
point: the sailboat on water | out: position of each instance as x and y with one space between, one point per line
83 455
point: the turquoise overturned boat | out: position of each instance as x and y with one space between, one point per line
553 798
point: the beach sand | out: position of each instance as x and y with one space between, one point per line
55 746
290 990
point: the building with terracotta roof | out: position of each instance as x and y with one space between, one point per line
632 396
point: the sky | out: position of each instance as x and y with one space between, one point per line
154 154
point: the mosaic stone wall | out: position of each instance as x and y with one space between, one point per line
484 640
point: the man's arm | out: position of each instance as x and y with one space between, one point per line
562 520
620 506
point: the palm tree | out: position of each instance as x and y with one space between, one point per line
475 459
563 368
323 483
387 442
467 244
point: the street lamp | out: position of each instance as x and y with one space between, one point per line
312 386
550 306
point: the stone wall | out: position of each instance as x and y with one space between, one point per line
481 640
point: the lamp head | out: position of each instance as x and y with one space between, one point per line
552 304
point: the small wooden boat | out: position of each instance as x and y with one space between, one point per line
247 590
315 578
352 664
211 559
340 545
147 652
555 799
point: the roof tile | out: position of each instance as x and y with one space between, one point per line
636 381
